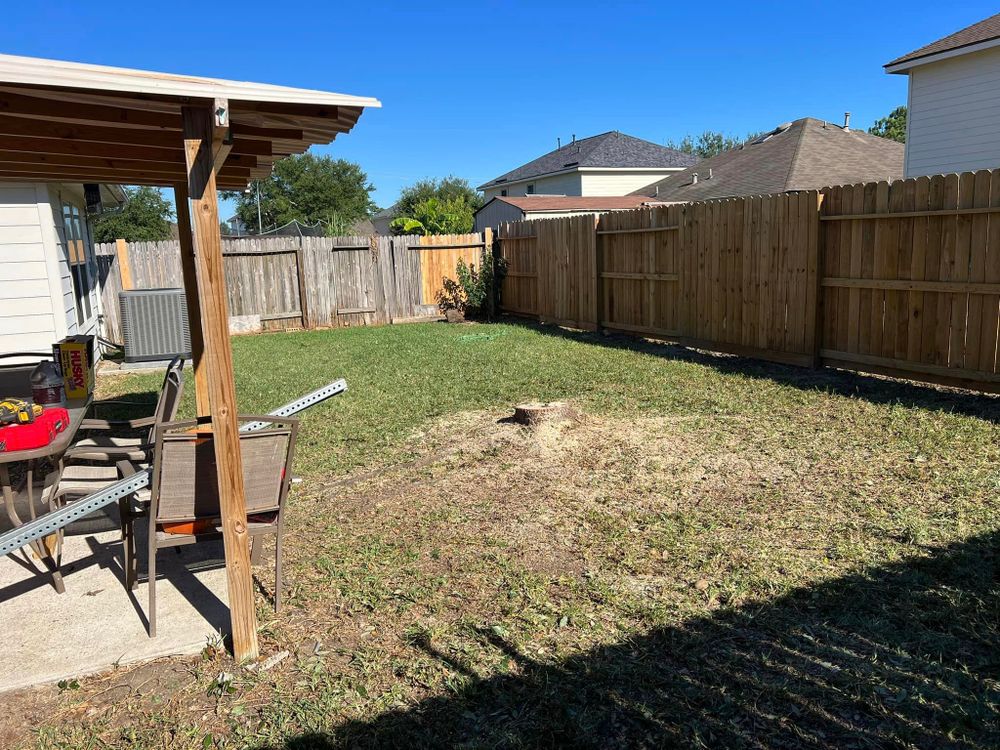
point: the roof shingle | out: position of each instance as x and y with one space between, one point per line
983 31
611 149
530 203
807 154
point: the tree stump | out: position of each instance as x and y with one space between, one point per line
534 413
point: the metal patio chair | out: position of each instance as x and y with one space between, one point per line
111 440
183 505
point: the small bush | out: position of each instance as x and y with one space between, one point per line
474 291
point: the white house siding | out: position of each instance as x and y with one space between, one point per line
29 319
619 183
557 184
37 304
954 115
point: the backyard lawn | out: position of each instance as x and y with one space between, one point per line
715 553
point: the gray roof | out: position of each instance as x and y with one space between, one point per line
983 31
806 154
612 149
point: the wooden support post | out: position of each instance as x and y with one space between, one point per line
814 277
491 302
598 274
199 130
300 274
193 299
124 266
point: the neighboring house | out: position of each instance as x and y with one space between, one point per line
953 121
503 209
607 164
237 227
383 219
50 286
806 154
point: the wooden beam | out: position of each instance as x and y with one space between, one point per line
198 138
99 174
100 162
913 214
953 287
86 114
32 145
190 274
124 266
33 128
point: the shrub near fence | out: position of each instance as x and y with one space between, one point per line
901 279
292 282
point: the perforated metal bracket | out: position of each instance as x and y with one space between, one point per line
51 522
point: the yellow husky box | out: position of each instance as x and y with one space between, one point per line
75 355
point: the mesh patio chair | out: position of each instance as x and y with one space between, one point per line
111 440
183 503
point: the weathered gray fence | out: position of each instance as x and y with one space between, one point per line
295 282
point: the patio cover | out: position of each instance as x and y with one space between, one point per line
68 122
71 122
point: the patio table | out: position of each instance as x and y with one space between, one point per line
16 383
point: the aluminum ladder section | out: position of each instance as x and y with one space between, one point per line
49 523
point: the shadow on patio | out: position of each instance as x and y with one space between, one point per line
903 656
859 385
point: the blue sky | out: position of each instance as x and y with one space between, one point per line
474 89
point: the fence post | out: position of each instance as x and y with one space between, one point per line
124 267
598 276
814 280
491 309
300 272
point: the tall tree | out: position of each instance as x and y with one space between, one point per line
309 189
145 217
436 216
709 143
437 206
444 189
892 126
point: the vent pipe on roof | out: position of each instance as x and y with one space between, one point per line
694 178
558 142
710 173
847 122
574 137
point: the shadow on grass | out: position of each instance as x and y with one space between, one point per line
840 382
901 656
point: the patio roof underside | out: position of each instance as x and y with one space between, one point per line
68 122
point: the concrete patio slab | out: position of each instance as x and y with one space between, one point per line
97 623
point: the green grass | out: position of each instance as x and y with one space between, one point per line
719 553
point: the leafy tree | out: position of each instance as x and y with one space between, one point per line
892 126
309 189
444 189
709 143
436 216
145 217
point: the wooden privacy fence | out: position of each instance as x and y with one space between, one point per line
301 282
901 279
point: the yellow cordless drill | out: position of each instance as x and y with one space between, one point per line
17 411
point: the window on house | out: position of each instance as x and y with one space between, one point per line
76 250
503 192
530 189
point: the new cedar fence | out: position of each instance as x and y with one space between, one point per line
301 282
900 279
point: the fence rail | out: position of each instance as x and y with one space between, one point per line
301 282
901 279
